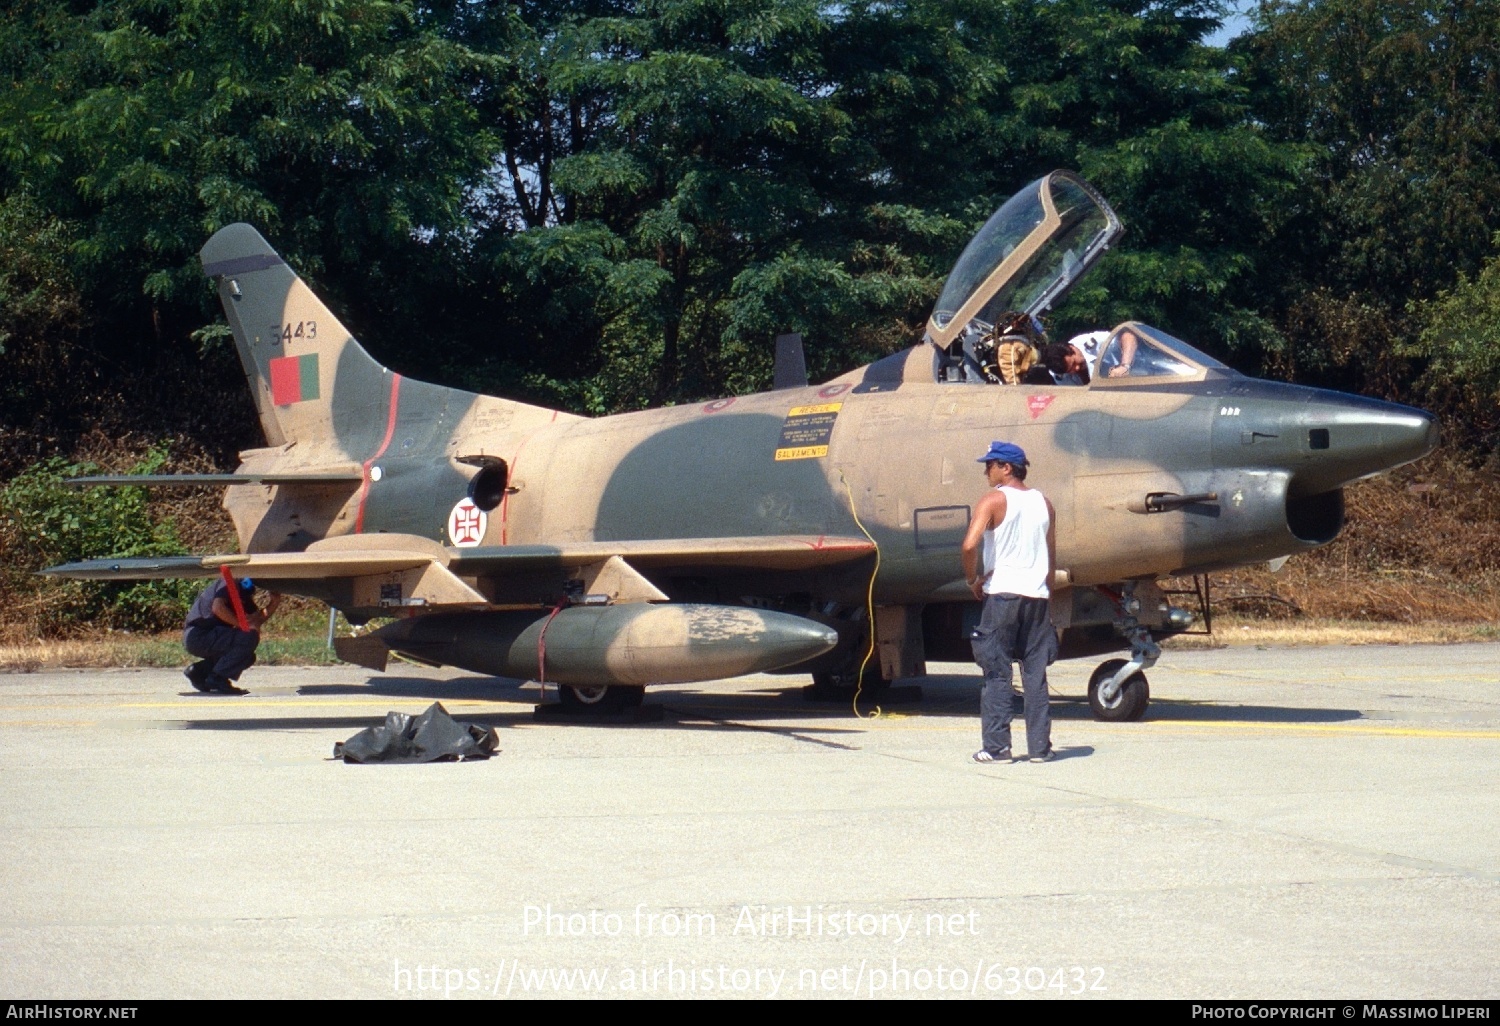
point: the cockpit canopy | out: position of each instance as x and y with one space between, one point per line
1135 353
1026 257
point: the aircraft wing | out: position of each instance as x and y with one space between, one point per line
385 553
769 552
382 570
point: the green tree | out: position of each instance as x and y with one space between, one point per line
1460 339
709 201
1129 94
341 128
1397 103
749 169
605 203
43 522
41 313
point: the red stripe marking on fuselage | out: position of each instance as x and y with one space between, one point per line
390 430
511 476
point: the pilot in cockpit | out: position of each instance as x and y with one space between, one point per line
1074 362
1008 353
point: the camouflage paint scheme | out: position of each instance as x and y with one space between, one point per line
674 544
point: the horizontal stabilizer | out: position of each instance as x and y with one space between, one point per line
135 568
351 477
384 574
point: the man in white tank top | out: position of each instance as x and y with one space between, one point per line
1013 528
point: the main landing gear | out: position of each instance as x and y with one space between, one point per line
599 698
598 704
1118 690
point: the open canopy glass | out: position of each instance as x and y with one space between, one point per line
1026 257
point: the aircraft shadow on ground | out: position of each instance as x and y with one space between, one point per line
959 696
943 692
478 689
952 696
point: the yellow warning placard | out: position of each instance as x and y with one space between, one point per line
806 452
805 411
806 431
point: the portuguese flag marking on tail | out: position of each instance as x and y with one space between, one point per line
294 379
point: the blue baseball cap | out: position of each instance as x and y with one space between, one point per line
1005 452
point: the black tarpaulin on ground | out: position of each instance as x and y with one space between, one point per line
433 736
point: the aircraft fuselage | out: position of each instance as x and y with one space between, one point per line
902 461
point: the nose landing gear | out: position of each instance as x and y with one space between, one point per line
1118 690
1118 702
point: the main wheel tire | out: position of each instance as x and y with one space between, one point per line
601 698
1131 701
847 677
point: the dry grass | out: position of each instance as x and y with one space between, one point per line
150 650
1235 632
28 657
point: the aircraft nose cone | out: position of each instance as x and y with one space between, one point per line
1357 438
1433 435
1403 434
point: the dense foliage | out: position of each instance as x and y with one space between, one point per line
44 523
1396 105
599 204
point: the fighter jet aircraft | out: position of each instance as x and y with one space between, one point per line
769 532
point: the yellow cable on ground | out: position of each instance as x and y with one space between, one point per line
859 680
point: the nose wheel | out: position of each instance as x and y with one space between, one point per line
1122 704
1118 690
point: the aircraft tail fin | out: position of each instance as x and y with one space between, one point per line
305 368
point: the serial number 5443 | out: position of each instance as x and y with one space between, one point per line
296 329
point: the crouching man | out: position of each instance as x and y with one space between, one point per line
212 633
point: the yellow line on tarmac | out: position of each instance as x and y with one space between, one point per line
230 702
1330 728
303 703
49 723
239 702
1406 677
1191 725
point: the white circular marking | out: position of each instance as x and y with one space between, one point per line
376 473
467 524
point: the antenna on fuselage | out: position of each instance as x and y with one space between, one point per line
791 365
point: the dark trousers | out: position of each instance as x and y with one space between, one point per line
1014 627
228 650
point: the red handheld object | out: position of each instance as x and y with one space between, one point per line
234 598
